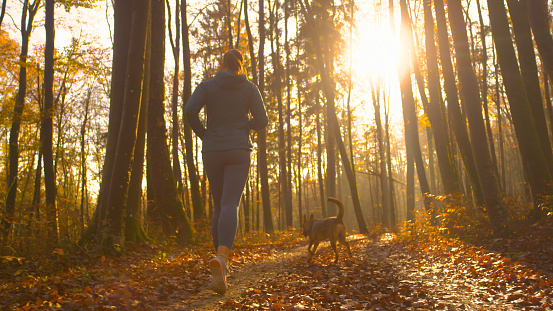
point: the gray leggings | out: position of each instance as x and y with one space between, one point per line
227 172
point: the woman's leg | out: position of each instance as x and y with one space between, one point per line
235 178
227 172
214 168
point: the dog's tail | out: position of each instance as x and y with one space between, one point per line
340 206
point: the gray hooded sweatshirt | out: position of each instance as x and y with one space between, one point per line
229 100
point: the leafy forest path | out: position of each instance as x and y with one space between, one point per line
384 273
243 278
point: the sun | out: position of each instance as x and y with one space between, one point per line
375 47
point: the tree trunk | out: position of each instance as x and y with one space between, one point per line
262 135
239 25
174 219
122 28
454 110
471 95
391 196
134 230
300 139
46 125
319 159
197 202
435 111
485 84
538 14
175 47
410 181
382 154
529 72
36 191
28 12
548 104
84 195
289 161
530 148
283 172
3 12
229 22
410 120
250 44
112 231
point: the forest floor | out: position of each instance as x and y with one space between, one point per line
386 272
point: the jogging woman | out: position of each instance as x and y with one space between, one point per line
234 107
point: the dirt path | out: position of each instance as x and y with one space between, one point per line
240 280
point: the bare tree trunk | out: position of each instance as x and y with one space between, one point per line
412 143
84 195
27 18
36 191
250 44
529 72
175 221
46 126
539 20
300 139
480 149
3 12
275 55
548 105
431 170
382 154
435 111
229 22
197 202
456 118
262 135
134 229
112 231
391 192
288 197
485 83
122 29
410 188
175 47
319 158
530 148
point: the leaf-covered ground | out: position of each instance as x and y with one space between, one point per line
384 273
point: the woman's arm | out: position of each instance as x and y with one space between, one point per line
259 118
193 108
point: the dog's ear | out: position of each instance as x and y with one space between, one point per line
311 216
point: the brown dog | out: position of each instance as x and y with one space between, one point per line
331 228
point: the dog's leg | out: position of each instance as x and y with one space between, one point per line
333 244
313 250
309 247
343 241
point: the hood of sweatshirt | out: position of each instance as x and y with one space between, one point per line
228 80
